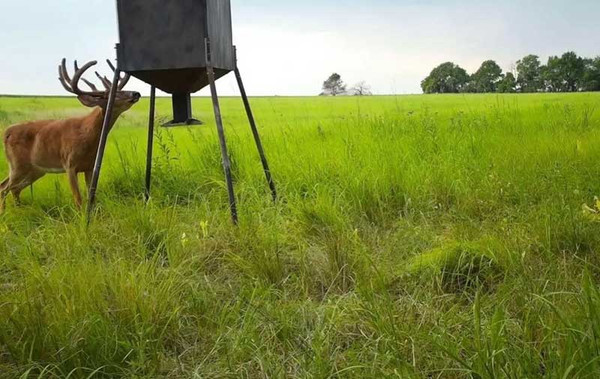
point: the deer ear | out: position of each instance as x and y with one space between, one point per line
89 101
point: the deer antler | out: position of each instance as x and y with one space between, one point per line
72 85
122 81
90 84
105 82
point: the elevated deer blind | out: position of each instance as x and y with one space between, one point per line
179 47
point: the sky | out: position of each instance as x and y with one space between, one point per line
289 48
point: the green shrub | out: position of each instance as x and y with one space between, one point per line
459 266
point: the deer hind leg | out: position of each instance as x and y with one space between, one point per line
74 183
16 192
88 179
3 192
17 185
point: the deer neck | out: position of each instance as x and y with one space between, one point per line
95 121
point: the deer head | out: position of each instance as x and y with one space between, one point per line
95 98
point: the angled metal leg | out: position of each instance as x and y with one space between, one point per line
150 142
102 145
221 131
261 151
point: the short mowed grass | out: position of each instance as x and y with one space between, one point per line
415 236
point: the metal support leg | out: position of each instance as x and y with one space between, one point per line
150 142
261 151
221 131
102 145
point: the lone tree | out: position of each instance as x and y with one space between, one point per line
334 86
361 89
529 74
487 78
446 78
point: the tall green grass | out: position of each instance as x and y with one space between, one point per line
416 236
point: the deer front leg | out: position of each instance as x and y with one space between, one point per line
74 183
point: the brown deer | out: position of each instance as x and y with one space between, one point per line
34 149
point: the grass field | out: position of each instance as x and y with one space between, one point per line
416 236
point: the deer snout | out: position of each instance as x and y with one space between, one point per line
134 97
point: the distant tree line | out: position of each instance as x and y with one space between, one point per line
568 73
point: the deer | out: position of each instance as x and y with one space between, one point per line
34 149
